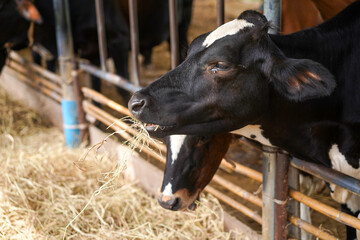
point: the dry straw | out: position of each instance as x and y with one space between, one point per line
42 191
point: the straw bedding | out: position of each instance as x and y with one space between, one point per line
42 191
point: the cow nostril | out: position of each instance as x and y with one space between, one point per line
137 104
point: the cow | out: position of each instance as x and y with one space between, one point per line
14 27
153 29
297 92
192 161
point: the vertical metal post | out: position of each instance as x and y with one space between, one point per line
66 56
174 34
220 12
272 11
294 206
275 194
100 22
134 34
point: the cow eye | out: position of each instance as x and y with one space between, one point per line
219 66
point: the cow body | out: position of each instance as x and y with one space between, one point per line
299 91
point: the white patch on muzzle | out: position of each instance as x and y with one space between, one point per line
229 28
168 190
176 142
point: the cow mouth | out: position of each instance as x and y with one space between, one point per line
152 127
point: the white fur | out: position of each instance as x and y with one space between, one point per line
168 190
253 130
176 142
229 28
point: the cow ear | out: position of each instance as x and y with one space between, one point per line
28 10
302 79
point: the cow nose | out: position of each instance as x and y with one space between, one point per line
137 104
169 202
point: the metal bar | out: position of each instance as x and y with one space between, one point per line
40 81
43 72
238 190
79 98
220 12
174 34
66 58
272 11
134 34
25 79
329 175
311 229
238 206
294 206
275 178
251 173
110 77
326 210
117 107
101 30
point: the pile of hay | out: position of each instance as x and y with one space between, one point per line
42 191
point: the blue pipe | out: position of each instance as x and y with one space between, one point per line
71 123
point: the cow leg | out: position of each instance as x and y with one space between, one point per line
36 57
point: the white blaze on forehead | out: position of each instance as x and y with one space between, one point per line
168 190
253 132
229 28
176 141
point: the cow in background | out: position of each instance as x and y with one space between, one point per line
14 27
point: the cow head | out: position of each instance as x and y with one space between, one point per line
226 82
191 162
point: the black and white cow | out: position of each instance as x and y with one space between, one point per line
298 92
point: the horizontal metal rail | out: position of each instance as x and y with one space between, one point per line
311 229
110 77
36 68
325 209
328 175
238 206
49 93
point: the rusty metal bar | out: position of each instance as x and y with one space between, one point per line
329 175
238 190
294 206
238 206
220 12
326 210
110 77
112 122
275 179
101 30
311 229
40 81
251 173
25 79
43 72
134 35
174 34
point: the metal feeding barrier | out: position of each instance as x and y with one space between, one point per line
280 178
